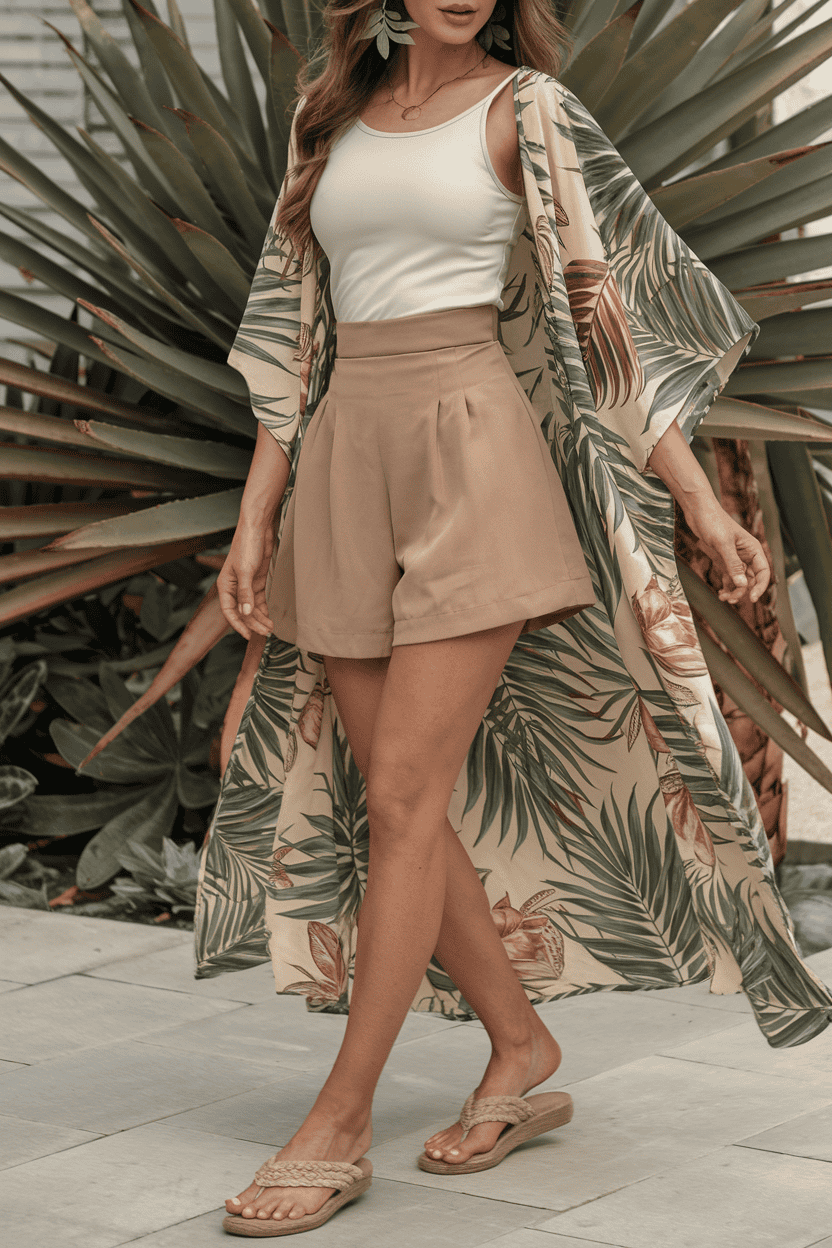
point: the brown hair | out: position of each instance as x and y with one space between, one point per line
345 70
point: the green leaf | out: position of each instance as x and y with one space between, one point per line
50 519
36 463
598 62
56 817
216 333
235 71
216 458
674 140
56 587
745 647
801 506
280 94
184 73
17 696
118 764
16 784
256 34
771 262
749 699
195 789
58 389
657 64
148 821
691 199
795 333
784 376
793 208
220 377
738 418
212 255
166 522
190 194
192 395
18 167
127 82
226 179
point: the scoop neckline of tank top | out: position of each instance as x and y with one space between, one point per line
408 134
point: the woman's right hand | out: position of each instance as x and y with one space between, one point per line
242 582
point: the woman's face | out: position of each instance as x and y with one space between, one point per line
447 21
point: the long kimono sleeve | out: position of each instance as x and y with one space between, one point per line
659 334
268 349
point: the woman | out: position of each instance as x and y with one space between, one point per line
425 530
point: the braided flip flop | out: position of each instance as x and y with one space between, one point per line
350 1180
525 1117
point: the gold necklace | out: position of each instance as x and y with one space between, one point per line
415 110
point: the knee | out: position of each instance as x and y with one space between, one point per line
399 801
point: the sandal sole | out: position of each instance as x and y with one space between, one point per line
556 1112
260 1228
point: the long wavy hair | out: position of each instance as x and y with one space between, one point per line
345 70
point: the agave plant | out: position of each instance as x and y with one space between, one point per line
167 251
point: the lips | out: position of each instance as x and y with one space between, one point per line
457 10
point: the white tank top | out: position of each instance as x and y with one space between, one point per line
415 222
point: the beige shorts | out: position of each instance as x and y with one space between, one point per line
426 503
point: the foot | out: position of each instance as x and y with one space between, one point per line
319 1139
509 1074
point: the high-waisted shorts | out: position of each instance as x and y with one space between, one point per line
426 503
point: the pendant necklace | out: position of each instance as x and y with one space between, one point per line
415 110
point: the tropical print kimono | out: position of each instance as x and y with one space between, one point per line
602 801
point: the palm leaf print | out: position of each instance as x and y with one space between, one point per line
609 353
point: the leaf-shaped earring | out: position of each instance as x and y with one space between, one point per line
492 33
386 25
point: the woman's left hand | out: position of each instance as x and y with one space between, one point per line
737 555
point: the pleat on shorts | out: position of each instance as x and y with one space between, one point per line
426 503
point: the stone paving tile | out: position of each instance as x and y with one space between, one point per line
24 1141
272 1113
49 1019
6 985
284 1033
173 968
596 1033
120 1085
115 1189
743 1047
7 1066
544 1239
701 995
808 1135
389 1215
731 1198
629 1123
38 946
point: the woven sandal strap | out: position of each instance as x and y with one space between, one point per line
337 1174
511 1109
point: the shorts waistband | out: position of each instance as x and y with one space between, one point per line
429 331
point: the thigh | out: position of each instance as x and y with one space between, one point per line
432 701
356 686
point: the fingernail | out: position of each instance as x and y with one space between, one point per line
235 1201
246 608
437 1152
454 1152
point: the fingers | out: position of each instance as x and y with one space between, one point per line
244 614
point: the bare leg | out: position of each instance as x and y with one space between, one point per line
524 1053
433 698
